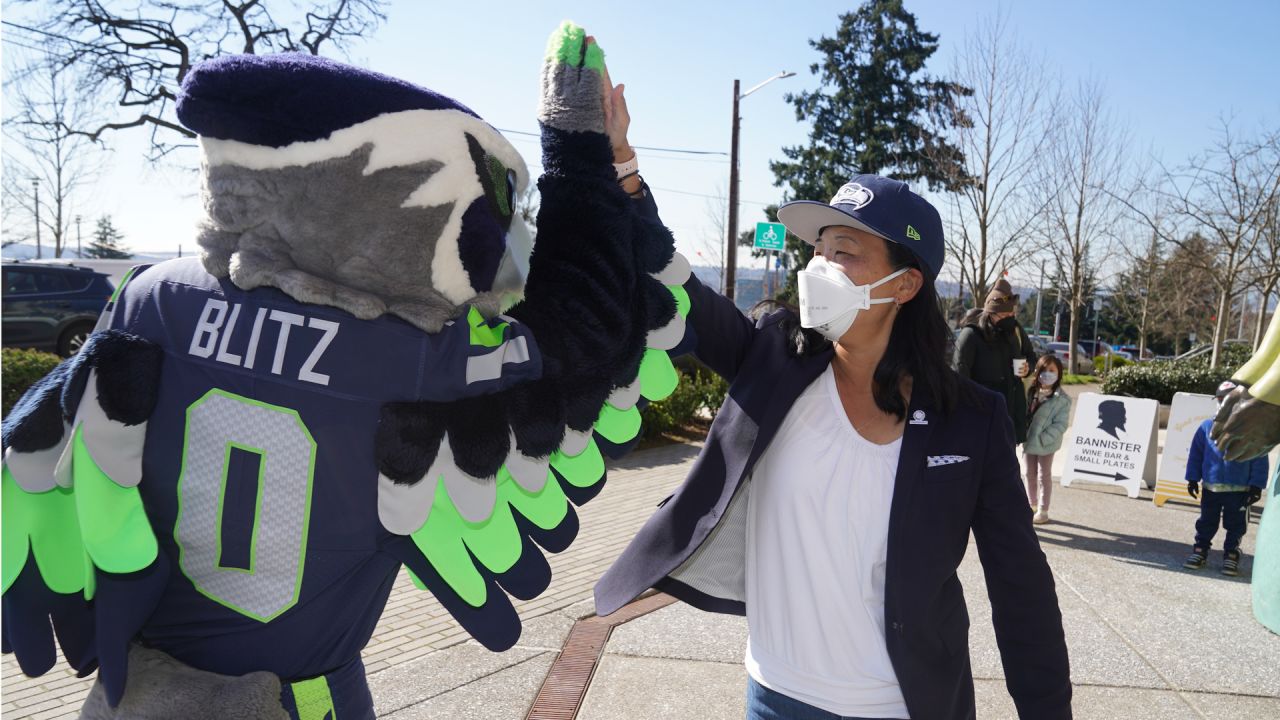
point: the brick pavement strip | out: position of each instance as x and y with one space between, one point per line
414 623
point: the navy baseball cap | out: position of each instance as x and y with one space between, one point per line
883 207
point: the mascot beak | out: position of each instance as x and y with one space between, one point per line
513 270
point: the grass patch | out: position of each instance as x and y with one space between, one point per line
1069 379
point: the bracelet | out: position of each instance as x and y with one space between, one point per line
628 167
624 178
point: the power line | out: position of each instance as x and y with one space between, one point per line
638 147
46 33
709 197
712 161
680 151
15 43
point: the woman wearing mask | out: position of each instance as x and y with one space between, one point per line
840 482
1048 408
994 352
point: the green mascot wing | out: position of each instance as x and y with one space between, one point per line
477 489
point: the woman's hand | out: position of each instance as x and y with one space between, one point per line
616 118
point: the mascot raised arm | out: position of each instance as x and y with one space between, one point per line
1247 426
370 365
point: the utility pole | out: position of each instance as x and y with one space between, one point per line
79 248
35 184
731 253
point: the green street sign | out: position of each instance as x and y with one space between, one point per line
770 236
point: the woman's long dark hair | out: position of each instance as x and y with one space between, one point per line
920 346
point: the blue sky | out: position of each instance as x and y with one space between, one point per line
1170 70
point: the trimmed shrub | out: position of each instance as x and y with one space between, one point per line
699 390
1100 364
1160 380
21 369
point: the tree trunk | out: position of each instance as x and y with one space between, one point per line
1142 328
1220 326
1261 325
1073 337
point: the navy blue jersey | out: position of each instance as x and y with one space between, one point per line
259 475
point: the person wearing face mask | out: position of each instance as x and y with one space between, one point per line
840 482
995 352
1048 414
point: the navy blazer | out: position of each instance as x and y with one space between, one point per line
932 513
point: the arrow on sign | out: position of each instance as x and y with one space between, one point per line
1116 475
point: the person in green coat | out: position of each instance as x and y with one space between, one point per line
987 347
1049 411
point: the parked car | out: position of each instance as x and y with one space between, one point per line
1040 343
1096 348
51 307
1060 349
1132 350
1207 348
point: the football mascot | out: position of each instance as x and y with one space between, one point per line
370 365
1247 426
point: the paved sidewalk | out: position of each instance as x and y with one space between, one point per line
1147 639
410 677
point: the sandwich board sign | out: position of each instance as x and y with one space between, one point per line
1186 414
1112 441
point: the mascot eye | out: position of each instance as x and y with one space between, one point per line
496 179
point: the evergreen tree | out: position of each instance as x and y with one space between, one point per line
876 112
107 242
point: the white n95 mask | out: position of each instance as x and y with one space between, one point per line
829 300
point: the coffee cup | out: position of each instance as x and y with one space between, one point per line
1019 366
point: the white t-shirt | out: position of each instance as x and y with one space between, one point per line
817 536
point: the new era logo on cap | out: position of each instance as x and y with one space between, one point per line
912 233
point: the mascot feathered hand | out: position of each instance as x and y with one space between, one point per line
369 365
1247 427
1248 423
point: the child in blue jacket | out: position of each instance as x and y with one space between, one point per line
1227 490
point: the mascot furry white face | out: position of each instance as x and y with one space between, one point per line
347 381
409 212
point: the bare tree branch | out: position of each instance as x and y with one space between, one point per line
141 55
1083 156
44 159
995 212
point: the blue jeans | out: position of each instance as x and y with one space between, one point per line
766 704
1231 508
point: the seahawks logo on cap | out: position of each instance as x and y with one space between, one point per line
855 195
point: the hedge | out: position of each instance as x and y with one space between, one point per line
1159 380
20 370
699 390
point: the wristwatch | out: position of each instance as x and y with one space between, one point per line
627 167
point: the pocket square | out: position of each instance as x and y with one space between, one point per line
939 460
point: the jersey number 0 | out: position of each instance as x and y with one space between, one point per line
219 424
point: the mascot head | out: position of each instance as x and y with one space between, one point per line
343 187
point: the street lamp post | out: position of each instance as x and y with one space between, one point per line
731 254
35 186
